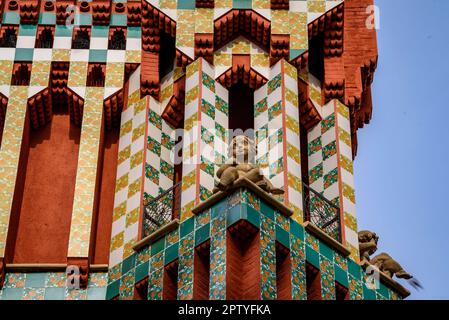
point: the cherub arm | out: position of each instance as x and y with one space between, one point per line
223 168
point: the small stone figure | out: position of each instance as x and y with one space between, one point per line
389 266
241 153
367 244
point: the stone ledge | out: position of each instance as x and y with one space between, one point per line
317 232
49 267
389 282
169 227
240 183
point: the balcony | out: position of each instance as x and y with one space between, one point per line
322 213
318 211
161 210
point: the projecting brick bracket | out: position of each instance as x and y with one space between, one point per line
243 183
77 272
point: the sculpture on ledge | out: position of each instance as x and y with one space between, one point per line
367 244
389 266
240 164
384 262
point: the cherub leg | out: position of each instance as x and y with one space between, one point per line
271 188
254 175
227 179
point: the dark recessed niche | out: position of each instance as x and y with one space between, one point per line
45 37
81 39
117 40
21 74
316 57
8 37
167 55
96 75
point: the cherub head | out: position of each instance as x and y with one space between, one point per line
369 237
242 149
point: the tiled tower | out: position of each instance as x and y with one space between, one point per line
115 116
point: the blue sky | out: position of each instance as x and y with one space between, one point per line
401 169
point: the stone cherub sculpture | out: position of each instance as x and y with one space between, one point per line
367 244
389 266
240 164
384 262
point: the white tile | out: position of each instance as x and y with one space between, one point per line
131 232
133 202
118 226
116 56
25 41
134 81
116 257
62 43
133 44
42 54
79 55
7 54
99 43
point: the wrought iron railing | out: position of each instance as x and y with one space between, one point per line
161 210
322 213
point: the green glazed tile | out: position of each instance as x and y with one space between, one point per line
96 293
252 215
128 263
119 20
47 18
55 294
234 215
134 32
24 54
186 227
242 4
326 251
354 269
98 55
313 257
218 208
12 294
266 210
202 234
63 31
383 290
171 253
83 19
341 276
27 30
158 246
11 18
186 4
100 32
282 236
297 230
35 280
368 294
142 271
113 290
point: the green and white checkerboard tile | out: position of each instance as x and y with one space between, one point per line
129 183
276 123
330 160
159 165
205 134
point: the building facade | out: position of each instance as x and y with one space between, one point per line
115 116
